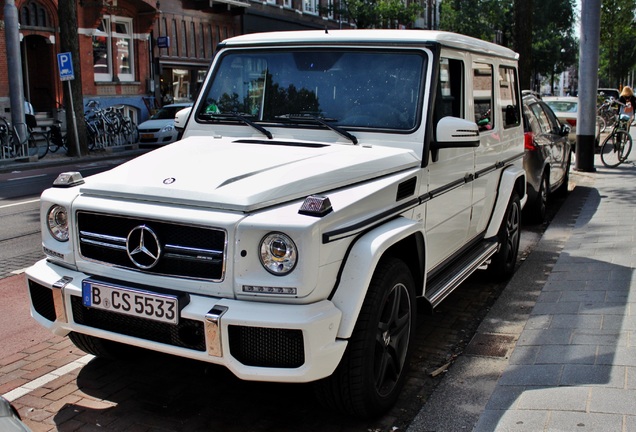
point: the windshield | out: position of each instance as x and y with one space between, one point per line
167 113
346 88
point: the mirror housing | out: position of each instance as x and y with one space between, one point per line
180 120
453 132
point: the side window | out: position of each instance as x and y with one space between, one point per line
483 96
450 89
544 122
509 96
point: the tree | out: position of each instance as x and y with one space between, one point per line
541 31
523 41
618 42
380 13
554 47
67 11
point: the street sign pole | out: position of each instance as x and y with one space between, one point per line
65 65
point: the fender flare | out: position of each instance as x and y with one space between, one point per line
360 265
512 178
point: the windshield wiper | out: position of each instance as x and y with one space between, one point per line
239 116
300 117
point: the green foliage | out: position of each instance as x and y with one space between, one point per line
554 47
617 54
381 13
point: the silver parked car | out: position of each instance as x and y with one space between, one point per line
547 156
159 129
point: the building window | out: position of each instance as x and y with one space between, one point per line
287 3
32 14
113 50
310 7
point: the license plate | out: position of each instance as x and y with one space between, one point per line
146 136
142 304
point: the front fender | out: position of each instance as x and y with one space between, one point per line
512 178
360 264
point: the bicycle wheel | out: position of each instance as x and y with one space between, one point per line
38 144
625 147
600 121
613 150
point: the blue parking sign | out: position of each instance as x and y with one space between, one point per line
65 65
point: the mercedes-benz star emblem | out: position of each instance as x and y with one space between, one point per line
143 248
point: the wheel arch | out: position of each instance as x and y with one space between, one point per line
513 179
401 238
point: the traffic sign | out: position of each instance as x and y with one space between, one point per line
65 65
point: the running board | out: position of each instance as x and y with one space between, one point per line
442 285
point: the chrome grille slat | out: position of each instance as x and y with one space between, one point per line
188 251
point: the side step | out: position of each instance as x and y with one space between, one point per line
439 288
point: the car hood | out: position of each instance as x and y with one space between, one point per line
245 175
156 124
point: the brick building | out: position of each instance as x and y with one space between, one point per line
141 53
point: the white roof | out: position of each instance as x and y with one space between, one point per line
357 37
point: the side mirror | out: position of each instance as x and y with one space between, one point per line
565 129
453 132
180 120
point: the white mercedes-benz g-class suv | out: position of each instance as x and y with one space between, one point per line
326 181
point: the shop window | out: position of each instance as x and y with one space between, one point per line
113 50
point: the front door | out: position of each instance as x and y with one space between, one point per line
38 72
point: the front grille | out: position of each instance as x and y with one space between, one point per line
185 251
187 334
42 299
267 347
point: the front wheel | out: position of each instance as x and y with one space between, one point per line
502 264
372 371
616 148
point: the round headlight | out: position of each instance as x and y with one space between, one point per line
278 254
57 219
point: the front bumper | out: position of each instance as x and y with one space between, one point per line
256 341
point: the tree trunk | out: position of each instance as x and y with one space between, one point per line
69 42
523 41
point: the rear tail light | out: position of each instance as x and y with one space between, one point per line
572 122
528 141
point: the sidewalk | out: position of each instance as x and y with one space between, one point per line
557 351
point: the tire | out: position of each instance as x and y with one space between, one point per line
371 374
537 209
502 264
101 347
616 148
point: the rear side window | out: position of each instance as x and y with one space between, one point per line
509 96
483 96
542 118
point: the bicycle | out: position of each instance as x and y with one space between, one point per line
618 144
57 140
14 147
607 111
